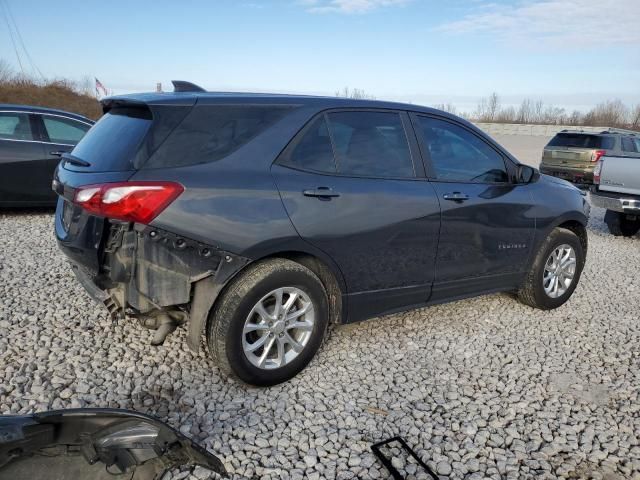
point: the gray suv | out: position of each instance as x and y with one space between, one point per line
573 154
259 219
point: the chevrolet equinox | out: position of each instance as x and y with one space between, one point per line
257 220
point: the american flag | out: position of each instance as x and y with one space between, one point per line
100 86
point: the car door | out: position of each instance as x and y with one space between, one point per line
20 152
60 135
351 187
488 223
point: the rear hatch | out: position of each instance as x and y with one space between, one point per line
101 183
575 150
113 150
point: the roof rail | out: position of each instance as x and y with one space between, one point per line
182 86
621 131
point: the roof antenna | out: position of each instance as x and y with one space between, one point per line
182 86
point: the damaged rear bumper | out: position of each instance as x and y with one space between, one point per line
148 273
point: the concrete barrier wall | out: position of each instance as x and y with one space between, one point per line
530 130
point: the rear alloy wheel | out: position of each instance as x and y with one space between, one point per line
555 271
269 322
278 328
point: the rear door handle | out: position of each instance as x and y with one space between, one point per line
320 192
456 196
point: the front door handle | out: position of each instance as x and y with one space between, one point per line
57 153
456 196
320 192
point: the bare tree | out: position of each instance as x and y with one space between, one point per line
538 108
493 105
550 115
356 93
634 118
525 111
575 118
488 108
446 107
611 113
505 115
85 86
6 72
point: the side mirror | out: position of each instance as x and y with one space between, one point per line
527 174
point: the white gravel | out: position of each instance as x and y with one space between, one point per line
481 388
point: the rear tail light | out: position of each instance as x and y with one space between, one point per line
138 202
597 154
596 171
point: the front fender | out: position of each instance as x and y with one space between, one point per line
557 203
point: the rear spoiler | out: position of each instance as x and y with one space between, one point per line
149 100
183 86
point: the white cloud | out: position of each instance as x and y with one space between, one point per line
348 6
561 23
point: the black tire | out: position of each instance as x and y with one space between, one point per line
532 290
621 225
227 319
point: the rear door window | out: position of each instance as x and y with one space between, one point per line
62 130
581 140
370 144
353 143
457 155
15 126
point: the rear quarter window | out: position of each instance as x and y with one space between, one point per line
630 145
581 140
212 132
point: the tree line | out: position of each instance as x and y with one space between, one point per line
610 113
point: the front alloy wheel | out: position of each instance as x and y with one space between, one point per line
555 270
559 271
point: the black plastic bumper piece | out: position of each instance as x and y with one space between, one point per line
386 461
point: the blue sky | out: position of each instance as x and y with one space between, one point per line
572 53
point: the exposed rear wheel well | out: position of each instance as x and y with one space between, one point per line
320 269
580 230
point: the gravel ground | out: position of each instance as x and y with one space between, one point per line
481 388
